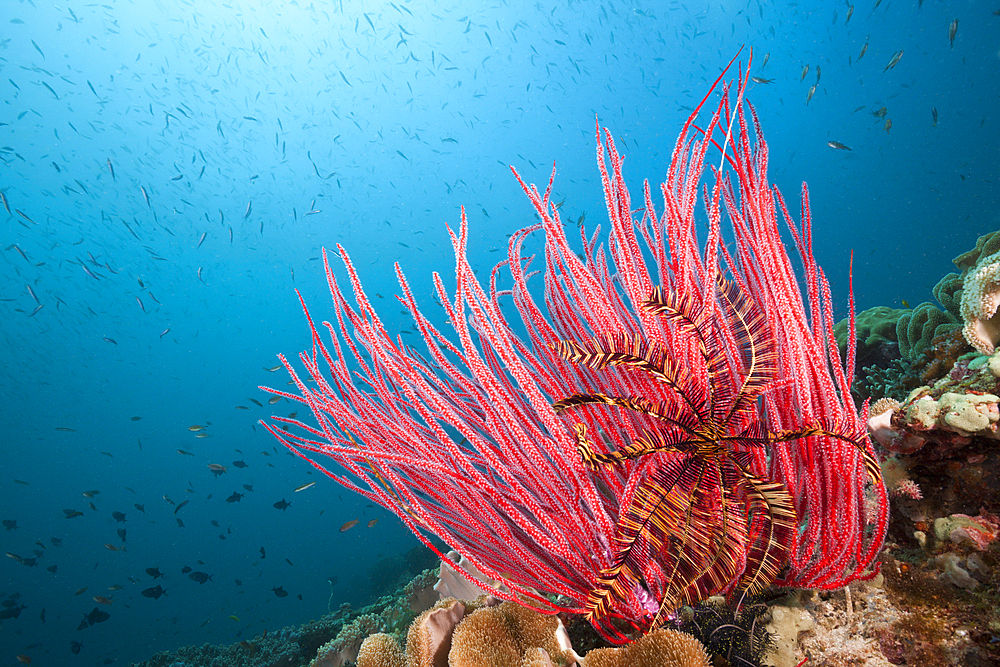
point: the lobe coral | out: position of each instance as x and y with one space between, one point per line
672 421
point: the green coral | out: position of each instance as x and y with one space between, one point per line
986 245
948 292
916 329
874 326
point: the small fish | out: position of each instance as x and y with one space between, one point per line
140 304
154 592
864 49
839 146
934 116
888 124
6 205
256 402
952 31
100 599
881 113
305 486
111 547
894 60
146 196
119 517
234 617
273 400
347 526
154 572
805 71
850 13
141 508
906 304
180 505
200 577
282 505
272 369
240 464
201 240
197 427
235 498
809 95
249 208
280 592
111 168
24 659
164 332
81 591
371 524
184 452
760 79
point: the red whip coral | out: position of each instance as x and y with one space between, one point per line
672 422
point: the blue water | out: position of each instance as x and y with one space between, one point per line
383 119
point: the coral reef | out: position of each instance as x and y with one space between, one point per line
739 636
429 640
504 636
980 298
381 650
663 648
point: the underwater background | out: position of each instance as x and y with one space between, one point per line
172 170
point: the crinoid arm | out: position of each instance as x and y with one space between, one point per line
771 527
681 538
650 357
839 431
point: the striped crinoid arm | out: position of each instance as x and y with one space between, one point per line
680 540
668 438
839 429
753 341
650 357
771 532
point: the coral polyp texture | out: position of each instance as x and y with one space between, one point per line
980 298
671 421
